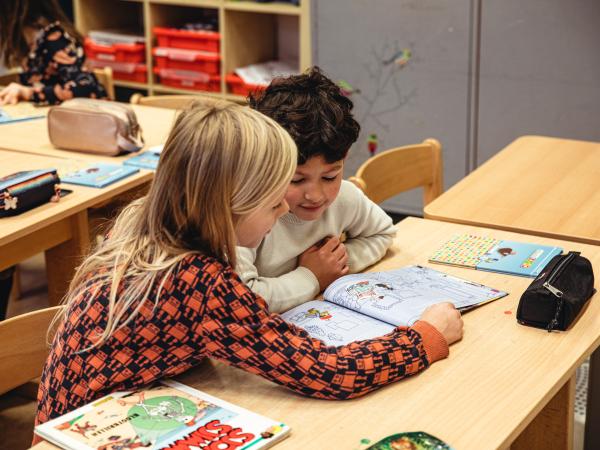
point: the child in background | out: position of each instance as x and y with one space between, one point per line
37 36
159 294
303 254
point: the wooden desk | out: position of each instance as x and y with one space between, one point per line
538 185
59 229
32 136
504 384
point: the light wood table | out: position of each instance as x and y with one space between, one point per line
32 136
29 233
59 229
503 385
538 185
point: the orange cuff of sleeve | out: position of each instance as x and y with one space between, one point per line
434 342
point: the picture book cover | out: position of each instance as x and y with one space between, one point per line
99 175
495 255
416 440
369 305
19 112
146 160
168 415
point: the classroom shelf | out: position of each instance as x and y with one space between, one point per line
251 32
271 8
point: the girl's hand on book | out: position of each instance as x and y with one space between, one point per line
446 318
328 261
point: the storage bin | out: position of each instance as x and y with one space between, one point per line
192 60
187 79
208 41
237 85
123 71
121 52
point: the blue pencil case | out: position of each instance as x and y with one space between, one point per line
22 191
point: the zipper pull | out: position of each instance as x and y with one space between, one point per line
554 321
558 293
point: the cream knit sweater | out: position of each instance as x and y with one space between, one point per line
272 270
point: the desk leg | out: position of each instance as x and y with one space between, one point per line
552 429
592 414
62 260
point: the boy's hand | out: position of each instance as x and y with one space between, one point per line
446 318
14 92
328 261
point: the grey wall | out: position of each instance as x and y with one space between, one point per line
481 74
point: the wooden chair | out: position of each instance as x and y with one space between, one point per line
105 77
23 348
401 169
169 101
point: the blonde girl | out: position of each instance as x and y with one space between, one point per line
160 295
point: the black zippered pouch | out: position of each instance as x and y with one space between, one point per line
555 298
22 191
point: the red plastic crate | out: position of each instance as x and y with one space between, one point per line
181 59
124 71
186 79
237 85
133 53
208 41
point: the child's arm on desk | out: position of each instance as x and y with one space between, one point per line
281 293
238 329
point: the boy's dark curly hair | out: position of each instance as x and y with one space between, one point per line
313 110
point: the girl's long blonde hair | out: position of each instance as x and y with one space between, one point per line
220 163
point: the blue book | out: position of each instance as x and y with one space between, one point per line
19 112
146 160
485 253
99 175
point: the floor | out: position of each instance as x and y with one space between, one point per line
16 406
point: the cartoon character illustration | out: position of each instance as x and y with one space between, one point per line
506 251
314 313
82 429
361 290
372 143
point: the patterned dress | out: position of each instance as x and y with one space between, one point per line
204 310
56 64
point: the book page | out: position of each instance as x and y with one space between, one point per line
333 324
399 297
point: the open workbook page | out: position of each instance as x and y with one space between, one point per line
368 305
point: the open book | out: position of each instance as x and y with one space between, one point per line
169 415
495 255
368 305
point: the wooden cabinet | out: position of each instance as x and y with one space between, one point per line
251 32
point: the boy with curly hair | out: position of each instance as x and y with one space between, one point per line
303 253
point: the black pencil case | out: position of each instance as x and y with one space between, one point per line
22 191
555 298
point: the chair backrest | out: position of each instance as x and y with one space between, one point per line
401 169
23 347
170 101
105 77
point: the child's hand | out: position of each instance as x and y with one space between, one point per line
446 318
14 92
328 261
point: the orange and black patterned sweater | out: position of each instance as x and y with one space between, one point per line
205 311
